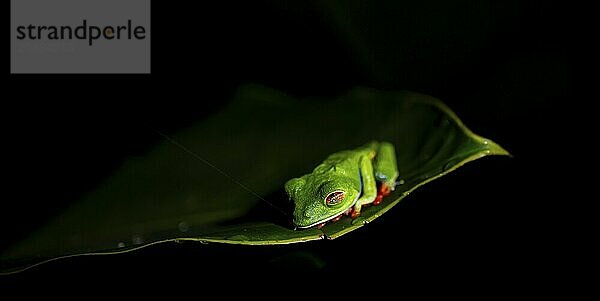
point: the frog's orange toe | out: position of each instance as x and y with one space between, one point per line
354 214
378 199
384 190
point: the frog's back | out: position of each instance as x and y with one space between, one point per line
346 161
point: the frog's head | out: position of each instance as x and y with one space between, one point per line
319 198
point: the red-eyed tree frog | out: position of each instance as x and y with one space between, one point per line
342 184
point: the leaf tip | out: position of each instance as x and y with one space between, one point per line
494 148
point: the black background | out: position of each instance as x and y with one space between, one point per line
505 67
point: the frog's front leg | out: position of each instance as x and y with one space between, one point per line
369 185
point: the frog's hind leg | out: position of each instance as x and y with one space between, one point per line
386 168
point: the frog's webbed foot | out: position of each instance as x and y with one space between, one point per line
354 213
384 190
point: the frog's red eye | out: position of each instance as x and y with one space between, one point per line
335 198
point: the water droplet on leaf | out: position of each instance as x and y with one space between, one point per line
444 121
137 239
358 221
183 226
448 166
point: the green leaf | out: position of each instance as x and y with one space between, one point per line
221 180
